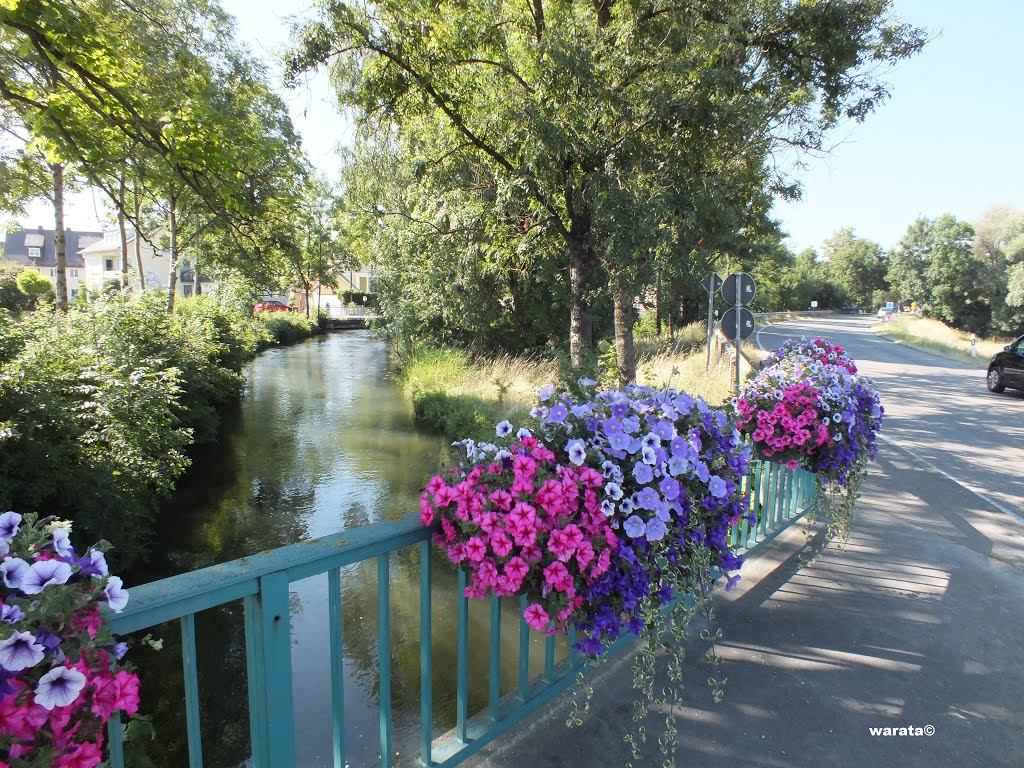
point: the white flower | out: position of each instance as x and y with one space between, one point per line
59 687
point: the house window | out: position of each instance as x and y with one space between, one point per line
73 273
108 264
33 253
73 293
53 272
362 283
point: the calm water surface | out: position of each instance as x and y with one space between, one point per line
322 442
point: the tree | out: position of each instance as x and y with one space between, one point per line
908 263
999 249
34 285
599 122
856 265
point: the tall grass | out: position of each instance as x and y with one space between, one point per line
940 338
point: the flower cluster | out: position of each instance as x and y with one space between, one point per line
803 412
673 469
522 524
822 350
60 680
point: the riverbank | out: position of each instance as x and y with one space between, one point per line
459 396
99 406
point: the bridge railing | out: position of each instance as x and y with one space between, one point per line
778 496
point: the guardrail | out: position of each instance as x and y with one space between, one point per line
777 497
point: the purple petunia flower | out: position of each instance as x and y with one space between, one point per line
119 650
619 410
643 472
43 573
634 527
716 486
669 488
14 570
619 441
93 563
20 651
648 498
557 413
546 391
613 491
117 598
11 613
504 429
9 522
656 529
62 543
59 687
608 507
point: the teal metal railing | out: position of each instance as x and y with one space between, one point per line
778 496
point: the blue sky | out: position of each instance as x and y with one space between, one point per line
948 139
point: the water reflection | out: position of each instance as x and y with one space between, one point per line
321 442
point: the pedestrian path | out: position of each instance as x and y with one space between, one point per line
917 623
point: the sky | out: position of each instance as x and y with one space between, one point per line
947 139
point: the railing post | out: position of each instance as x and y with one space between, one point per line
277 670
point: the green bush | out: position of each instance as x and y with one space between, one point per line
98 406
287 327
457 416
362 298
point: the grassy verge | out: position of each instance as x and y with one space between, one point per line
458 396
939 338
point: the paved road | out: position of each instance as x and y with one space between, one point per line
916 621
935 408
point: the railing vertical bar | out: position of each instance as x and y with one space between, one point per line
384 655
755 504
794 492
337 639
494 678
257 684
549 659
776 507
784 496
426 659
277 660
524 651
574 657
462 665
115 741
768 499
190 669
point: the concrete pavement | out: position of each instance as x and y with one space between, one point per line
916 622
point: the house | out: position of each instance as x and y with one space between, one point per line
332 299
33 249
103 264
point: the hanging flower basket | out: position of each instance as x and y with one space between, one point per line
60 674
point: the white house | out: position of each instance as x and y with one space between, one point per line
103 263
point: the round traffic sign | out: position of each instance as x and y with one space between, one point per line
728 322
738 289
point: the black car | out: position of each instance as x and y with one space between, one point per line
1007 368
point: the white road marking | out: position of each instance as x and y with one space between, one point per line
920 459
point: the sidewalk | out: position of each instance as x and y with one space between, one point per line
918 621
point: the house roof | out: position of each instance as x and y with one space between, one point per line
19 241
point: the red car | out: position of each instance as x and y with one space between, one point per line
272 305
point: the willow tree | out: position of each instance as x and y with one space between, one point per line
586 113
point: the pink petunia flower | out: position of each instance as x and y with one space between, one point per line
536 617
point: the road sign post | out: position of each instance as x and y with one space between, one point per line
711 284
737 323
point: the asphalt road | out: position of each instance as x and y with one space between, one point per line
937 411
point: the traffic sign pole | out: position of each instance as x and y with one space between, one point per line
738 337
711 301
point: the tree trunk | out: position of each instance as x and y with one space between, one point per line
581 273
59 238
138 238
172 277
625 357
123 231
307 300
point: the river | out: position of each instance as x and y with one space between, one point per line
322 441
